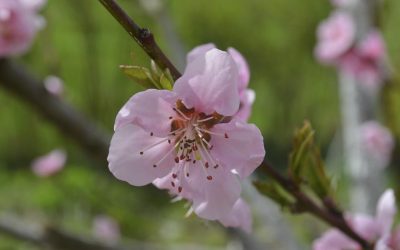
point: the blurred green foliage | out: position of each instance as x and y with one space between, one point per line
84 46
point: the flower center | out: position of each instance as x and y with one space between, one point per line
190 138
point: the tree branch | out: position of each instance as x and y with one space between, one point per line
19 81
330 213
142 36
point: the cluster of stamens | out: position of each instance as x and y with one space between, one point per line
190 138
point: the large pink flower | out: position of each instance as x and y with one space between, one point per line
336 36
375 229
246 95
185 140
18 25
377 142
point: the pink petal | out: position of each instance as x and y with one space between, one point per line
212 199
335 36
334 240
365 225
128 164
373 46
54 85
33 5
210 84
49 164
385 211
242 151
243 67
247 98
199 51
18 28
240 216
377 142
106 229
151 109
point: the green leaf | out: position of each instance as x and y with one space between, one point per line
305 163
140 75
165 82
274 191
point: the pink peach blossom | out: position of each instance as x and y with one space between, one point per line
246 95
54 85
185 141
49 164
336 36
18 25
377 142
376 229
373 46
106 229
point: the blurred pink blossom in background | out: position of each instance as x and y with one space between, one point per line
336 36
106 229
19 23
185 141
378 142
54 85
375 229
49 164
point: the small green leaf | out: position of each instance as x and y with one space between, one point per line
165 82
139 74
155 70
305 163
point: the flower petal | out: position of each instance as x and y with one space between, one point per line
247 98
127 164
212 199
240 216
386 210
149 109
199 51
242 151
334 240
210 83
243 67
365 226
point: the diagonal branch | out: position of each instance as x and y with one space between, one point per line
19 81
142 36
330 213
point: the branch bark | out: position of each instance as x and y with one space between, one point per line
20 82
333 217
142 36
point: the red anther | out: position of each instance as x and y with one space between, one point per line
174 176
177 159
151 134
216 166
226 135
173 184
179 189
209 178
141 152
206 165
154 166
194 161
187 174
169 141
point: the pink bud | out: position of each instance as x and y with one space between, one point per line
106 229
49 164
54 85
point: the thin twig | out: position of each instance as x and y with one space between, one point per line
142 36
334 218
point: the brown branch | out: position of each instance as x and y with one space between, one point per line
73 124
333 217
142 36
